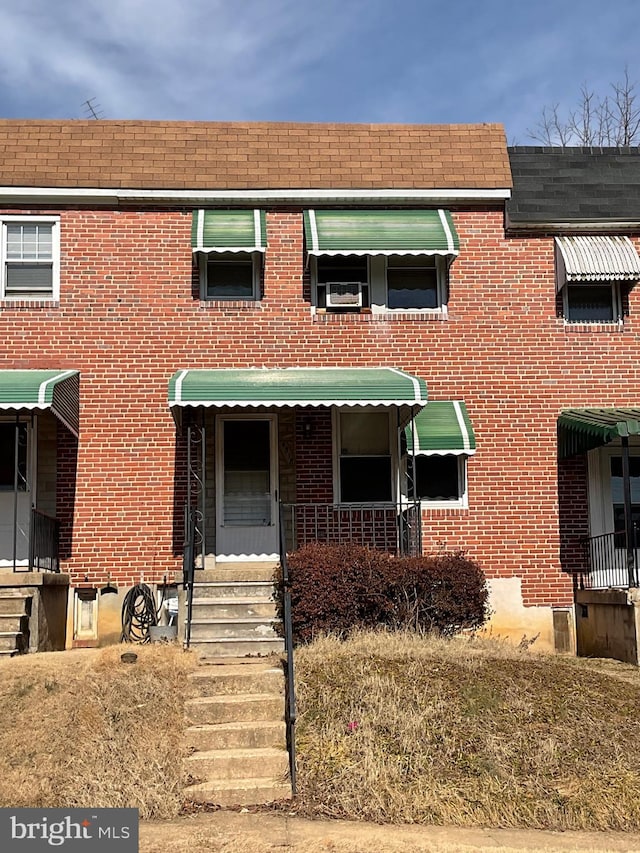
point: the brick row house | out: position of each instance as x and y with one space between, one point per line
291 332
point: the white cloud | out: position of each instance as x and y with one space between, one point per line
167 58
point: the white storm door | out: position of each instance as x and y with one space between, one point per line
246 493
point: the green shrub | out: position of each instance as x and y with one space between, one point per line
336 588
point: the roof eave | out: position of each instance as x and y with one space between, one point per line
573 226
308 196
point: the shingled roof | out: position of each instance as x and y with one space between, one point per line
564 187
238 156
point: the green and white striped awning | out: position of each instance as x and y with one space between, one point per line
380 232
228 231
580 430
297 386
442 428
57 390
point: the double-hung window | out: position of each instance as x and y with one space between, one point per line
228 246
592 273
415 283
364 457
30 258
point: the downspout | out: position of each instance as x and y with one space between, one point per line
15 489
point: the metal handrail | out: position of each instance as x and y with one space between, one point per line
391 527
44 542
188 568
290 711
610 562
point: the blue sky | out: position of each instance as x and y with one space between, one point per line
313 60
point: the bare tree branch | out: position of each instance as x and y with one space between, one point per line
610 120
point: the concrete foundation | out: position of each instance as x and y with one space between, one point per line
48 613
608 624
546 629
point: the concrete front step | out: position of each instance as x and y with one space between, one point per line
258 734
243 589
237 571
8 653
250 627
226 648
235 608
11 641
14 602
238 764
210 710
212 679
13 622
240 792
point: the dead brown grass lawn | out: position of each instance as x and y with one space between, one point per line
84 729
404 729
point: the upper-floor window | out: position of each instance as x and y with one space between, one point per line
230 275
380 260
592 302
228 245
593 274
30 258
415 283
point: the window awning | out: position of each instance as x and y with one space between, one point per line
580 430
321 386
442 428
57 390
380 232
228 231
596 259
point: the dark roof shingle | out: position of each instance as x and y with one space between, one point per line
573 185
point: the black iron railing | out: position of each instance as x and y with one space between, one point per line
290 710
44 543
395 529
188 568
611 562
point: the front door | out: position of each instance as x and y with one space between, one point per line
15 503
246 493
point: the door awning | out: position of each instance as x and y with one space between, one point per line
228 231
580 430
380 232
595 259
442 428
297 386
57 390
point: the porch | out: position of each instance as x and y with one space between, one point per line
38 425
321 451
599 456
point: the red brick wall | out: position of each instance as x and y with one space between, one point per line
127 318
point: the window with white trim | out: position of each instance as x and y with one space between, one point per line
415 282
230 275
29 253
380 284
364 463
342 282
441 481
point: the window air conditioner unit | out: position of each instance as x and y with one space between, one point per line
344 294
